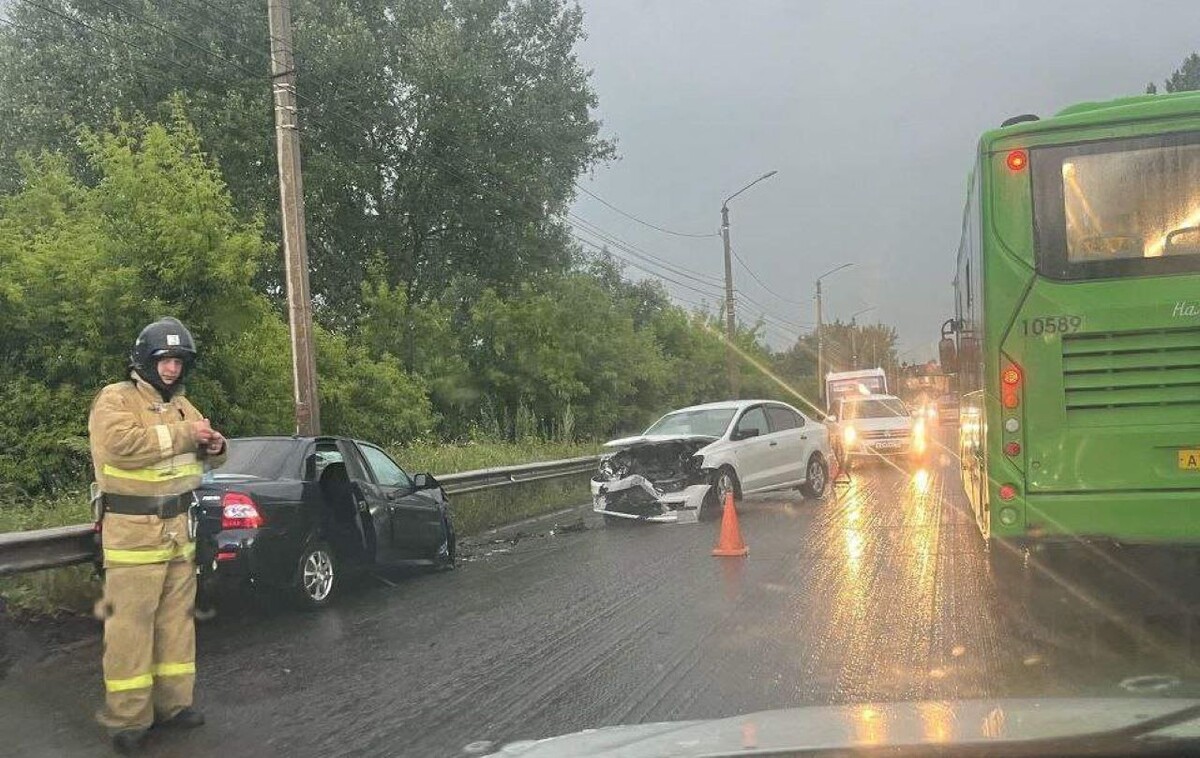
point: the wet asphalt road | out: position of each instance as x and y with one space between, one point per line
883 592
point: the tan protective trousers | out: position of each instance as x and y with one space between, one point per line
149 642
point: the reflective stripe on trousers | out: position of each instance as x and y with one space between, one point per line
152 555
132 683
174 669
146 681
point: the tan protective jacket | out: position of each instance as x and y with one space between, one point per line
143 445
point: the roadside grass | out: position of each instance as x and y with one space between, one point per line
75 589
476 511
435 458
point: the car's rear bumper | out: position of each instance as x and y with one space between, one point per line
635 498
240 556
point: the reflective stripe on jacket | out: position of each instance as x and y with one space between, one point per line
143 445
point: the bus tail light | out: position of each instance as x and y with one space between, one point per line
1012 449
1010 386
1007 492
1017 160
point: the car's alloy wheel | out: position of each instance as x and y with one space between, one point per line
447 554
317 576
725 486
817 478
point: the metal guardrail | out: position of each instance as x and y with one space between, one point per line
491 478
46 548
69 545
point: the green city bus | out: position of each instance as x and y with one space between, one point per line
1076 335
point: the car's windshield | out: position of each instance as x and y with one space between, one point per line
873 408
711 422
465 372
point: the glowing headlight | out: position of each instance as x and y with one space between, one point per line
849 435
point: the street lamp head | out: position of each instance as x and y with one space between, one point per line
835 270
768 175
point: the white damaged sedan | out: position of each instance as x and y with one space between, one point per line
685 464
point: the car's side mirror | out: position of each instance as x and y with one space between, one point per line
831 418
745 434
425 482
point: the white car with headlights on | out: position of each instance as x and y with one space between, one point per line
880 425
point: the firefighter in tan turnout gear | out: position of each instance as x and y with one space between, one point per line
150 447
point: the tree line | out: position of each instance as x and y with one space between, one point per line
441 147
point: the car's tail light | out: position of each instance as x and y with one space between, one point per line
238 511
1010 386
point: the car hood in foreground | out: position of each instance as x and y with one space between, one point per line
1002 727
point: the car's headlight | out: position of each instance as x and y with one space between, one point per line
849 435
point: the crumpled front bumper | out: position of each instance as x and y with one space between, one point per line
613 498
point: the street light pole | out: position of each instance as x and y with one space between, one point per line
821 332
730 321
730 325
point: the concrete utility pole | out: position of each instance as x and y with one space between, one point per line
730 322
820 346
821 332
731 369
291 206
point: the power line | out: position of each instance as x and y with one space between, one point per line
40 35
643 268
587 226
122 40
184 40
764 309
800 329
220 20
632 217
763 284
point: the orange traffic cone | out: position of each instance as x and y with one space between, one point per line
730 545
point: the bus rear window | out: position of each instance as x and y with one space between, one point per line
1118 208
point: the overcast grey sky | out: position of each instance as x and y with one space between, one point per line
870 111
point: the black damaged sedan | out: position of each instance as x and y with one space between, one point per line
300 513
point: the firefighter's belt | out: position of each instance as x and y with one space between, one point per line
163 506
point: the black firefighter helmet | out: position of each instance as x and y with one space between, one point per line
165 338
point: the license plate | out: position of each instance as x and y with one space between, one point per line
1189 460
888 444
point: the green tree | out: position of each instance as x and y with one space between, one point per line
152 232
1186 78
443 137
550 347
